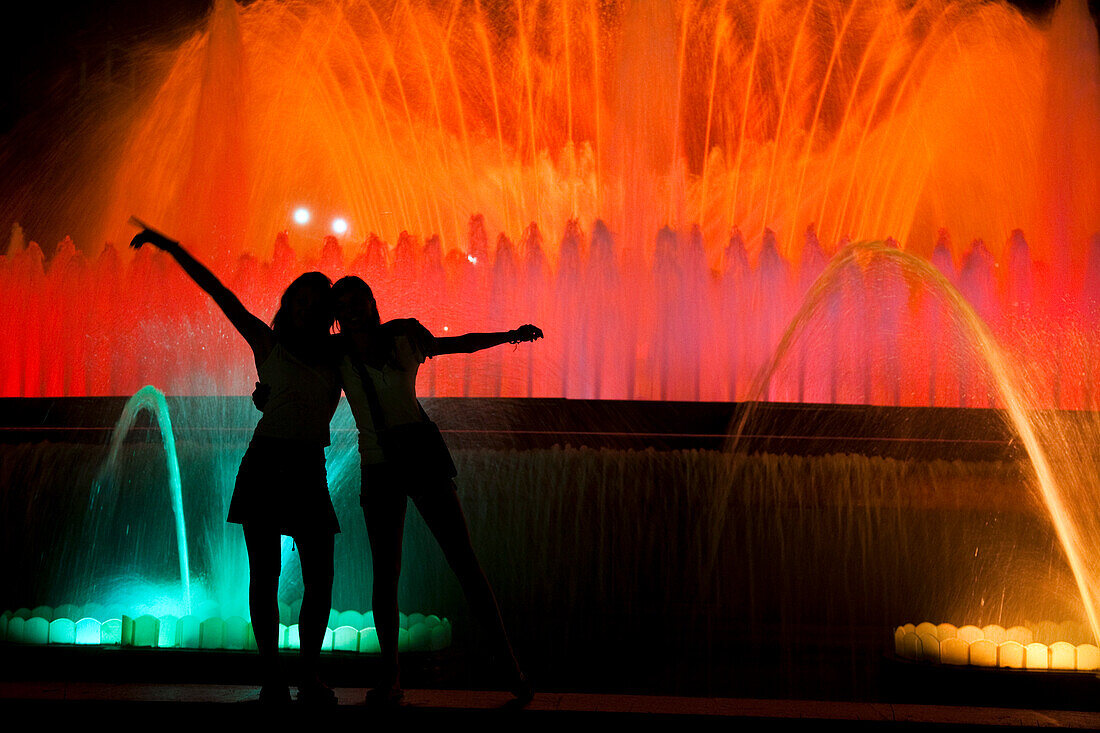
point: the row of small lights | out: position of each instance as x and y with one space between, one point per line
347 631
995 646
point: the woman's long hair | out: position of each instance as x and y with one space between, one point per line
352 283
282 325
381 339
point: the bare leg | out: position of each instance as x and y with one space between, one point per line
263 601
443 515
315 552
384 511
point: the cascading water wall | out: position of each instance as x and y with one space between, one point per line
655 184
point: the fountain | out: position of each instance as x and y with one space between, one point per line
148 398
132 605
502 164
771 136
898 286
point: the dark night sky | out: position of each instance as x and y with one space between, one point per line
42 51
44 44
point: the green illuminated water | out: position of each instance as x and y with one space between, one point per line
152 400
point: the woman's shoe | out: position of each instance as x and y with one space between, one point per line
384 697
522 690
275 694
316 692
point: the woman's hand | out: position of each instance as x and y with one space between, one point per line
148 235
153 237
524 333
258 334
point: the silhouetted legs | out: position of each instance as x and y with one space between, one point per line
442 512
263 598
264 562
315 554
384 510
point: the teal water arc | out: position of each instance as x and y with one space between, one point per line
152 400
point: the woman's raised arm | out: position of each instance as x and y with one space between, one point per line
471 342
257 333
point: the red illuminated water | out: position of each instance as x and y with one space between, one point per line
655 185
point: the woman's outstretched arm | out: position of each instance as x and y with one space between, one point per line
471 342
257 333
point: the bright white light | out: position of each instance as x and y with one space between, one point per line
472 259
339 226
301 215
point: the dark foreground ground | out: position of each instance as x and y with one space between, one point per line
87 685
89 702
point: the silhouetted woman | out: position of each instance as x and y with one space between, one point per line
404 456
281 486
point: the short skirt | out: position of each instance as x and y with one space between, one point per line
282 485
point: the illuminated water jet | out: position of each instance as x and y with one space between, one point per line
152 400
588 546
897 282
131 607
844 120
782 131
